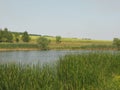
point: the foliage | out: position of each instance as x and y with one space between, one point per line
67 43
116 42
43 42
16 36
91 71
99 47
58 39
25 37
17 46
6 36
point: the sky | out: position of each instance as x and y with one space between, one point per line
95 19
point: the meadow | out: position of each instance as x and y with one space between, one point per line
87 71
76 43
17 45
66 43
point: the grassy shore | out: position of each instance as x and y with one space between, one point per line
61 46
90 71
67 43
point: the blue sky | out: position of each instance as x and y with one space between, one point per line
95 19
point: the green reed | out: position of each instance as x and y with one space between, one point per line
90 71
17 45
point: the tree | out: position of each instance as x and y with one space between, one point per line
9 37
6 36
17 36
43 42
25 37
58 39
116 42
0 35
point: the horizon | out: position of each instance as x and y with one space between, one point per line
97 20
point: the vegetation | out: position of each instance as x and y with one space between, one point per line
43 42
18 46
116 42
90 71
17 36
58 39
99 47
6 36
21 38
25 37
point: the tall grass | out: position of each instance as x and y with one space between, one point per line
98 46
91 71
17 77
17 45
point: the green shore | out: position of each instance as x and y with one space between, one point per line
93 71
74 45
66 43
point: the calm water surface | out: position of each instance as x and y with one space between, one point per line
34 57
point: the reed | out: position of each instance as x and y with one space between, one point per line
90 71
17 45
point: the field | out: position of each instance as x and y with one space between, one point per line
66 43
76 43
90 71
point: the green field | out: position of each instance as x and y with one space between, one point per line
76 43
66 43
90 71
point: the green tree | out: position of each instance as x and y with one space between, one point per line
17 36
9 37
25 37
58 39
116 42
43 42
0 35
6 36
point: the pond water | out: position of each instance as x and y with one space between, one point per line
34 57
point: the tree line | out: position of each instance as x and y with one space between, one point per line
8 36
5 35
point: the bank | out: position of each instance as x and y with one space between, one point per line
29 46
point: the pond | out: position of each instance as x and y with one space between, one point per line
34 57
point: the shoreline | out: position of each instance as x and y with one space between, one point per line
36 49
18 49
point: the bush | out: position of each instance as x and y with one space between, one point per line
25 37
116 42
43 42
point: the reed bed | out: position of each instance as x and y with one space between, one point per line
17 45
90 71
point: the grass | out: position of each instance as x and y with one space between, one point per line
99 47
67 43
17 45
75 43
90 71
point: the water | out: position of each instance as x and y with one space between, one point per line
33 57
